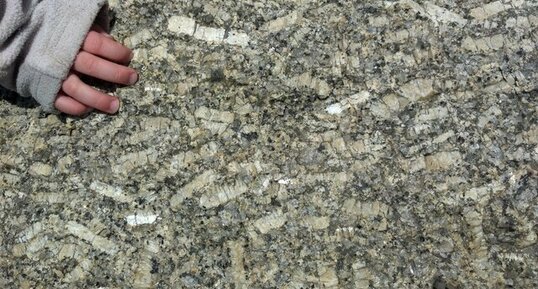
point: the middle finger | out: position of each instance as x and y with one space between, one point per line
88 96
97 67
98 44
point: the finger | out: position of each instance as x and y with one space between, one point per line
68 105
96 43
99 29
88 96
97 67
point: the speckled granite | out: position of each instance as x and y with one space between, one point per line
288 144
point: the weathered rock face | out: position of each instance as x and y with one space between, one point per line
288 144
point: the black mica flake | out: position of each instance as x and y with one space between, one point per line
154 266
217 75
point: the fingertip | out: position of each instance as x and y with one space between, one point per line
114 106
104 45
133 78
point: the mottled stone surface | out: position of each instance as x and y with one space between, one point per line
288 144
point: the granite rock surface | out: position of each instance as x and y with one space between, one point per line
288 144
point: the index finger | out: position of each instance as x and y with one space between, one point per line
100 45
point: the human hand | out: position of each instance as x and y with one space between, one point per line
100 57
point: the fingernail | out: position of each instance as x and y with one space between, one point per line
131 56
133 78
114 106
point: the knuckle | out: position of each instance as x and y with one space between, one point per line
120 76
70 85
93 42
90 63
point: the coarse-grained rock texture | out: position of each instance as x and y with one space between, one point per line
288 144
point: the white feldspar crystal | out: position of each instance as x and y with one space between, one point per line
435 13
214 115
442 160
380 110
30 232
440 14
198 183
282 22
378 21
139 37
432 114
237 256
134 160
223 194
114 193
488 10
142 276
98 242
486 44
209 34
359 98
273 221
316 223
328 277
36 245
335 108
443 137
418 89
414 164
307 80
40 169
361 274
237 38
188 26
141 219
180 24
79 272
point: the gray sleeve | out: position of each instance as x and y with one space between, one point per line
39 40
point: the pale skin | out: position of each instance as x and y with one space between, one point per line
100 57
